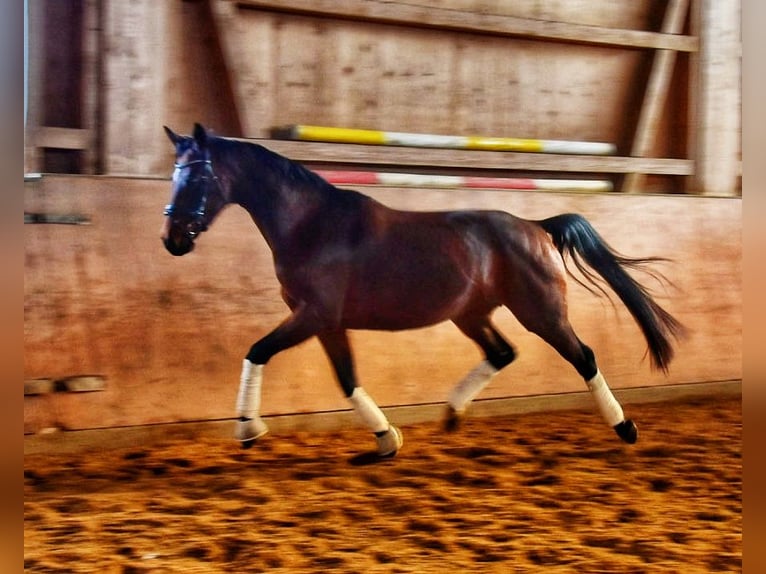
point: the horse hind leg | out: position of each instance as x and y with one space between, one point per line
498 353
539 303
561 337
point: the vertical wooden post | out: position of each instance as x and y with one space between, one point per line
718 111
134 87
36 22
657 90
247 88
91 84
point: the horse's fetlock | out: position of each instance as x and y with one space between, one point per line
502 360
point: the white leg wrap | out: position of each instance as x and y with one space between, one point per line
249 403
249 397
368 411
471 385
607 404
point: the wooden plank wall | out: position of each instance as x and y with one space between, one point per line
329 71
169 333
554 69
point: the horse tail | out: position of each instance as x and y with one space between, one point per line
572 234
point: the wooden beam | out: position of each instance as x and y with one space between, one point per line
316 153
718 112
35 59
657 90
92 80
113 437
134 96
62 138
230 37
402 13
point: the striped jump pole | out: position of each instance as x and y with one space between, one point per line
375 137
454 181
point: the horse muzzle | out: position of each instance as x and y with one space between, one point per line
178 240
178 247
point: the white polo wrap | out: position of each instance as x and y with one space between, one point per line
368 411
607 404
471 385
249 397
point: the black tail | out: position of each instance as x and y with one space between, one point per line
573 234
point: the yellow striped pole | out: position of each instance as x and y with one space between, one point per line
376 137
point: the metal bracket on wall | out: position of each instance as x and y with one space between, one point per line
57 218
73 384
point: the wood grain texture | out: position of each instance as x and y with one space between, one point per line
657 91
303 69
476 21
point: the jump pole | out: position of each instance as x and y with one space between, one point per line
454 181
374 137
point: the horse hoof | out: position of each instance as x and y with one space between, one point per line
627 431
390 442
453 420
249 430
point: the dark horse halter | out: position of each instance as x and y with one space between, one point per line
197 224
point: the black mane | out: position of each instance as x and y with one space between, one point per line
279 165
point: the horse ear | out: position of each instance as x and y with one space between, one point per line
200 135
172 136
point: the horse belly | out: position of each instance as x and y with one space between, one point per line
411 284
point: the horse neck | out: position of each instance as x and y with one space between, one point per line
279 196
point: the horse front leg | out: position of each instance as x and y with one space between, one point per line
250 425
389 437
300 326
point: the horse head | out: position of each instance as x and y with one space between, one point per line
196 194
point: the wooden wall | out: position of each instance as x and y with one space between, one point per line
659 78
391 77
554 69
168 334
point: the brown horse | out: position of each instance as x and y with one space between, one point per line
345 261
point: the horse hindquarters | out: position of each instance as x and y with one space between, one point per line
572 234
535 292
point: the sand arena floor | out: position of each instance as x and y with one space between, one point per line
546 492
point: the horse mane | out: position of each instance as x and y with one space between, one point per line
282 166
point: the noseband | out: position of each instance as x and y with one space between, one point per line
197 225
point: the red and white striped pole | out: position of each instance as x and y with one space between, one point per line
467 182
